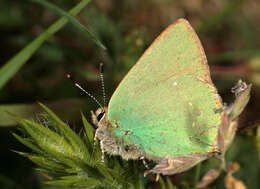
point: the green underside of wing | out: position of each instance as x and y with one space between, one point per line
166 102
185 123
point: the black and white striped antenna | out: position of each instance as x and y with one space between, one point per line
86 92
101 70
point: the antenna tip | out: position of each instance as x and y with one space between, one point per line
68 76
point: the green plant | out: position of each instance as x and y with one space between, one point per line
71 161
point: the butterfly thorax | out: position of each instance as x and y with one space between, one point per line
110 143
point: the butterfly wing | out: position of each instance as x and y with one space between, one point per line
166 103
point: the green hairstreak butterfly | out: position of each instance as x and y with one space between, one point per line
166 108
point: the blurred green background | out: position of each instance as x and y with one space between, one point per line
229 32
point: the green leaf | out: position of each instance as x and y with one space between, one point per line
89 130
75 181
169 182
162 183
45 162
105 173
51 142
27 143
75 141
258 140
16 62
197 175
72 20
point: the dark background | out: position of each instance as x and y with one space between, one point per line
229 32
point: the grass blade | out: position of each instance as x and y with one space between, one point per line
72 20
16 62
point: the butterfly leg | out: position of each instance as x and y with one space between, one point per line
157 177
94 145
97 135
102 151
144 162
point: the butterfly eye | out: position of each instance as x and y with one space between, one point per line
127 148
100 116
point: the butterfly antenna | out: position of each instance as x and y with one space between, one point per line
86 92
101 70
101 74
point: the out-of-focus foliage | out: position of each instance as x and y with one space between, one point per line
17 61
229 31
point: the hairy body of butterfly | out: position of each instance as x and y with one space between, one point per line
109 142
166 109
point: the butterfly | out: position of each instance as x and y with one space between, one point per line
166 108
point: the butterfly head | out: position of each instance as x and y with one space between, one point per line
99 117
